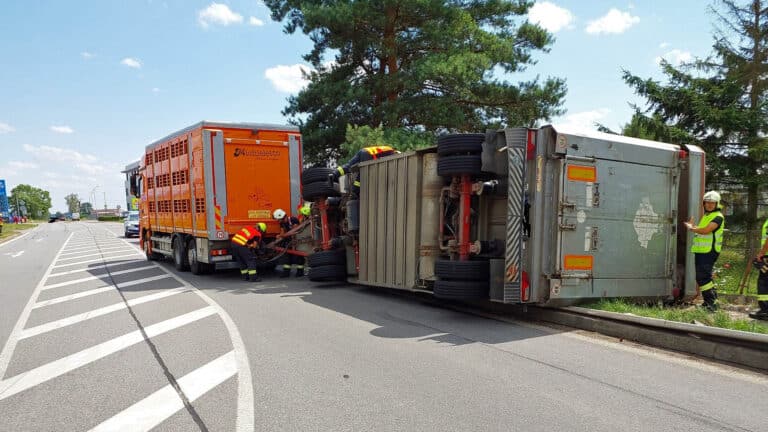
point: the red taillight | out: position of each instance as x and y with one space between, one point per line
219 252
524 284
683 154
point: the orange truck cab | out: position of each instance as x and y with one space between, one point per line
202 184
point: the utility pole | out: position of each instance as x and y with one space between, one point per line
105 200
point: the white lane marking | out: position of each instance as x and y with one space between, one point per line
17 254
56 368
96 277
39 240
74 319
18 238
101 249
13 339
162 404
105 254
245 401
96 260
65 298
98 266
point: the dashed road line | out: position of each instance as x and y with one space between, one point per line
74 319
96 277
56 368
67 298
161 405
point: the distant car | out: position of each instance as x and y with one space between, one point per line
75 216
52 219
131 224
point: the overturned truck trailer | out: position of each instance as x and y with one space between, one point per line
521 215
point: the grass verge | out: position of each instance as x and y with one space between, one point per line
685 314
11 229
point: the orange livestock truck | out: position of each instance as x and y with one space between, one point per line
200 185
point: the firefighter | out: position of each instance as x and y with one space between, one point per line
287 223
305 210
761 263
243 245
707 243
364 155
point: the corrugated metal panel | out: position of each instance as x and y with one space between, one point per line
390 206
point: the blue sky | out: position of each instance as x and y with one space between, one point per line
85 85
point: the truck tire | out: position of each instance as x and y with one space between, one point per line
460 290
460 143
180 255
315 174
195 266
449 166
462 270
328 273
325 258
313 191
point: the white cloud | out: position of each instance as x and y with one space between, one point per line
288 79
614 22
255 22
6 128
550 16
582 121
131 62
663 45
62 171
62 129
218 13
86 55
17 165
675 57
155 90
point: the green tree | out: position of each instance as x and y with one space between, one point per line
422 65
358 137
86 209
35 201
73 202
719 103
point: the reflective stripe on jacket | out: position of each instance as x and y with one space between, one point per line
245 235
377 151
704 243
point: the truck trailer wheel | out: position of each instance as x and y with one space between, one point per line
460 290
462 270
195 266
180 255
313 191
329 257
449 166
460 143
328 273
315 174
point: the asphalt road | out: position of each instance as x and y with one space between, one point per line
95 337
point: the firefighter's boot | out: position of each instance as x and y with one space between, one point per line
244 275
286 272
710 299
300 272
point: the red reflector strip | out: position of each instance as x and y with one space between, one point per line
219 252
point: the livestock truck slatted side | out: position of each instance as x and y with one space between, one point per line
204 183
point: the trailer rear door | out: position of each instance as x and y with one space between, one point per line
615 224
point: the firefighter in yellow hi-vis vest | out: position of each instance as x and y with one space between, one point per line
707 243
243 242
761 263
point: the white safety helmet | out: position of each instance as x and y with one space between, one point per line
712 196
278 214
